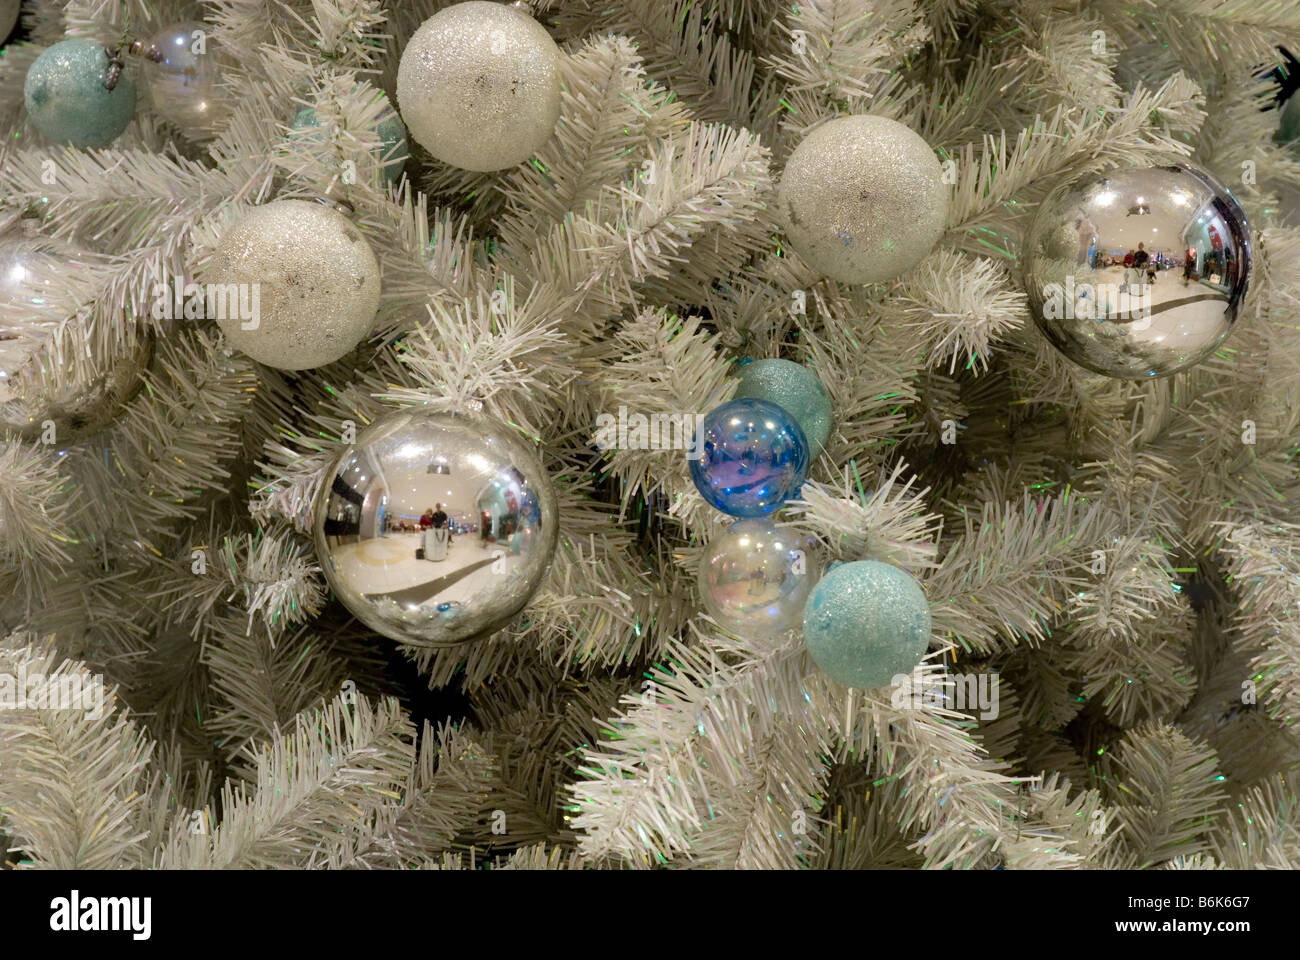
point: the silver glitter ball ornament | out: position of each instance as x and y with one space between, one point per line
478 86
754 577
862 199
184 83
305 280
1139 272
435 528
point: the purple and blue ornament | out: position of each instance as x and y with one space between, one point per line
752 458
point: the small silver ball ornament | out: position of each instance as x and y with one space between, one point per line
478 86
862 199
1139 272
434 528
308 277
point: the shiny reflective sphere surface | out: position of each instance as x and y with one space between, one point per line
1139 272
754 577
433 528
752 459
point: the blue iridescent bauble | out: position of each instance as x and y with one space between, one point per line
753 457
66 98
865 623
796 390
393 151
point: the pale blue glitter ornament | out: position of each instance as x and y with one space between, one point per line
392 152
865 623
753 457
796 390
66 98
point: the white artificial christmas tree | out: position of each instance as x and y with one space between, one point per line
1111 567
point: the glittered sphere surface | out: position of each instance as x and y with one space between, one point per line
1186 244
66 98
755 576
866 622
479 85
753 457
796 390
434 529
392 151
309 276
185 85
862 199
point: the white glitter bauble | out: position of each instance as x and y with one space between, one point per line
311 276
479 86
862 199
8 17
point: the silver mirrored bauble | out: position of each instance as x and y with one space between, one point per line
1138 321
434 528
302 285
479 85
184 84
862 199
755 576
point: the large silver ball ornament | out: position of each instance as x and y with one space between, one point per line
1186 244
478 85
434 528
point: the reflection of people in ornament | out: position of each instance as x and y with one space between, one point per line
1087 235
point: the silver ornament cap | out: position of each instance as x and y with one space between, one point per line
299 284
478 86
1139 272
862 199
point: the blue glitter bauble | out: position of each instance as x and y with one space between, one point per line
865 623
796 390
753 457
392 151
67 100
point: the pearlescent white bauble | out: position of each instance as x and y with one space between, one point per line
312 276
489 532
8 17
25 272
862 199
185 85
479 86
754 577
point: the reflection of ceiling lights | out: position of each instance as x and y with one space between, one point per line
1142 199
1181 197
1105 198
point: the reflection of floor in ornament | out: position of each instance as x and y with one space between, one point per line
1197 301
388 566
